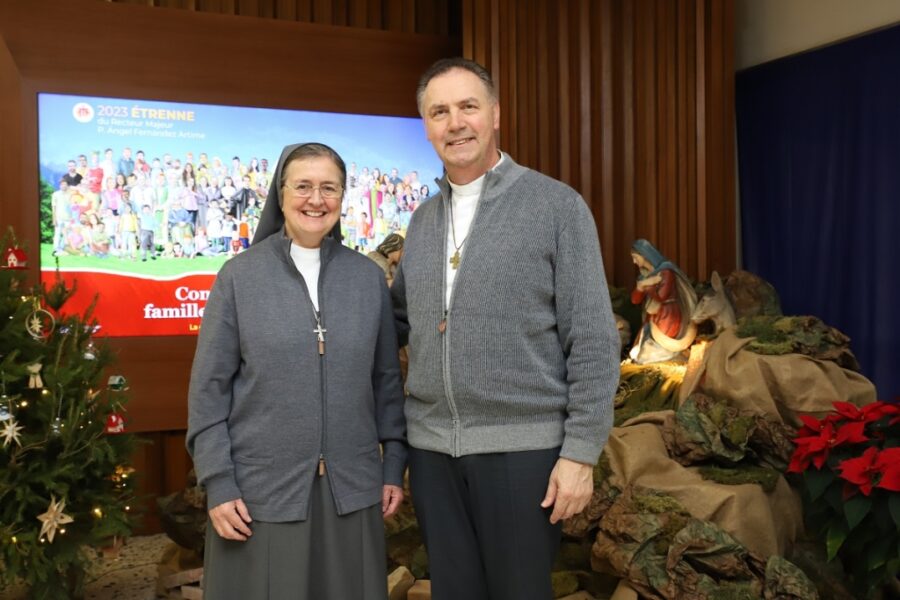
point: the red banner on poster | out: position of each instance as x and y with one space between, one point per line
135 306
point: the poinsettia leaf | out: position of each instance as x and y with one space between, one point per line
817 517
876 554
856 509
856 543
817 481
847 410
837 533
810 422
894 507
883 522
834 496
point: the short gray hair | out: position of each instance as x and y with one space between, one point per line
446 65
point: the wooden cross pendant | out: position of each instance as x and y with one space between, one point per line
320 333
454 260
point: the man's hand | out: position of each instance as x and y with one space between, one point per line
230 520
570 489
391 497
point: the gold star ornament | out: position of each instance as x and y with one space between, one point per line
53 518
10 432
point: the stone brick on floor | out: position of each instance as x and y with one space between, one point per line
399 582
421 590
582 595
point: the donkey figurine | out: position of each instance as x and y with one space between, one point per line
715 306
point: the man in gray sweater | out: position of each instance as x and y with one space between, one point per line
513 352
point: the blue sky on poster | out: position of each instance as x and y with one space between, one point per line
226 131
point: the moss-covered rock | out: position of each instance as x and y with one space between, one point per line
564 583
741 474
774 335
751 295
648 539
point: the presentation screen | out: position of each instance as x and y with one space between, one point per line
143 201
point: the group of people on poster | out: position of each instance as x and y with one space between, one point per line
378 204
134 208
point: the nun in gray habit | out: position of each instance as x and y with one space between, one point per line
296 421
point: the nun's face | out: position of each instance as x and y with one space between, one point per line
311 199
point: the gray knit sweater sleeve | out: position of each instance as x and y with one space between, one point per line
216 362
588 335
387 385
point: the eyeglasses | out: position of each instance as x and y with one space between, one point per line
328 191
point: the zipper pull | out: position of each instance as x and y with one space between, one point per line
442 326
321 465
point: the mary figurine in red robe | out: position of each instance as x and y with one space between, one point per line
668 301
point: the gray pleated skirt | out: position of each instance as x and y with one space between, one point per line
326 557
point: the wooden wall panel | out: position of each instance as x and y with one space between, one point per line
629 101
430 17
161 466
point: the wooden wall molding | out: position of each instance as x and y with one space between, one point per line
430 17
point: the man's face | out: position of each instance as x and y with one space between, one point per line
71 166
460 119
126 153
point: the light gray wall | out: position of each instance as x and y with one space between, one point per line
769 29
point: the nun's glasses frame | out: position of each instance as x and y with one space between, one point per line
328 191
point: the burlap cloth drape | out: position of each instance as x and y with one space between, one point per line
780 386
775 385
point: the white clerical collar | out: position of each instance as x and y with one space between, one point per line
473 188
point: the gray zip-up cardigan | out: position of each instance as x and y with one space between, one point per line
264 406
529 354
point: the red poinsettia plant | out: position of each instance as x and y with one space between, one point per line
850 466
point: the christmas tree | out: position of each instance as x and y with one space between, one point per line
64 482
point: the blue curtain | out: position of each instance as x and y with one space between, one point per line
819 163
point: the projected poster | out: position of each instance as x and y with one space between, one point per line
143 201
